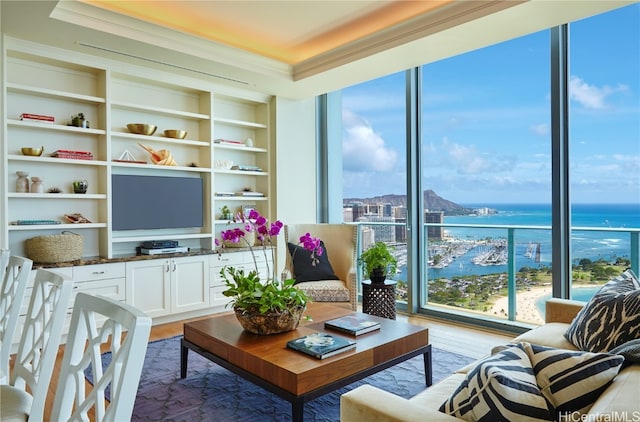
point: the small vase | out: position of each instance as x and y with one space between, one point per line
22 183
80 186
377 276
36 186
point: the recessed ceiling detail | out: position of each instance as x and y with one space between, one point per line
288 31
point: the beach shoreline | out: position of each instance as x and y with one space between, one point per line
526 309
526 304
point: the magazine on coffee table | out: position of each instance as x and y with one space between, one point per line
321 345
353 324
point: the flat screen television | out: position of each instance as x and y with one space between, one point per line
156 202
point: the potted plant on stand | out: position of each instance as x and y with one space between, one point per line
377 262
264 307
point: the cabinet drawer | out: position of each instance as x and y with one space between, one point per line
216 297
98 271
233 259
66 272
113 288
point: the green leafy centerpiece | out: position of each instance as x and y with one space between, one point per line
271 306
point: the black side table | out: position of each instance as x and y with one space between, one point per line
379 298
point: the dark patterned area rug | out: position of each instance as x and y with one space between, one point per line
211 393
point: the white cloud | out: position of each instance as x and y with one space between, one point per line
468 160
541 129
591 96
362 148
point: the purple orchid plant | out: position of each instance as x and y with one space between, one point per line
246 291
265 234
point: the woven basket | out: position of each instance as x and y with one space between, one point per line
54 248
250 238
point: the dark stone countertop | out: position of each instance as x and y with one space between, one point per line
130 258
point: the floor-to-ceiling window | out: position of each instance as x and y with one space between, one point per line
604 153
374 163
486 147
487 167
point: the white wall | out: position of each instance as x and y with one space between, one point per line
3 176
294 163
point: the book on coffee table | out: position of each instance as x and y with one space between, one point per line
353 324
321 345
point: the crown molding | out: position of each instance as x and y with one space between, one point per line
436 21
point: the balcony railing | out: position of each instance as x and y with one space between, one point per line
507 249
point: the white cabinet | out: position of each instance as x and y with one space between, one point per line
238 260
190 283
168 286
99 279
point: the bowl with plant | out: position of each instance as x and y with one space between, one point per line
268 306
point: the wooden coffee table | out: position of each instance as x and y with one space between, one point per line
294 376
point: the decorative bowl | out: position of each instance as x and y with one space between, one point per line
270 323
142 128
34 152
175 133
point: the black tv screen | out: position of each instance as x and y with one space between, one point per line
156 202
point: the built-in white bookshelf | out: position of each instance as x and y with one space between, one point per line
45 81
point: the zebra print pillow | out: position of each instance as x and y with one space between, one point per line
572 380
611 318
501 387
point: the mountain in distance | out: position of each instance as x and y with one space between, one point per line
432 201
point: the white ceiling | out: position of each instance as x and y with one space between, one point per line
293 48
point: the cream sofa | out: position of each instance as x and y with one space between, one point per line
621 399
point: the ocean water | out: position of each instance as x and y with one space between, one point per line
585 244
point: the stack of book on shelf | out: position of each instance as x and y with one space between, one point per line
249 193
353 324
78 155
228 141
245 167
225 193
321 345
40 118
34 222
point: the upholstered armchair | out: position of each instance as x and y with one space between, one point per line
340 252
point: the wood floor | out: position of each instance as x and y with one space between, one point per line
453 337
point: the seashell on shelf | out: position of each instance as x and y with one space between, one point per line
161 158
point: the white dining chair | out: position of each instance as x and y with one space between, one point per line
4 258
25 395
15 274
99 324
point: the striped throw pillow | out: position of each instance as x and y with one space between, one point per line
617 303
572 380
501 387
629 350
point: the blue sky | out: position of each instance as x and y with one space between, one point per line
486 121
